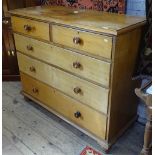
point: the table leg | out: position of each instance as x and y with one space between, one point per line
148 135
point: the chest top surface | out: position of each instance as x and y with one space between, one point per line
105 22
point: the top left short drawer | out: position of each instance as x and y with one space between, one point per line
30 27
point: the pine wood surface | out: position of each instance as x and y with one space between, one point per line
38 29
122 85
110 23
118 43
95 44
91 94
91 68
66 106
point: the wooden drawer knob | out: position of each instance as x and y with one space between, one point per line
32 69
77 90
77 114
27 27
76 65
29 47
76 40
35 90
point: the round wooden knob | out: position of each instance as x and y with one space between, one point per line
32 69
77 114
35 90
77 90
29 47
76 40
76 65
27 27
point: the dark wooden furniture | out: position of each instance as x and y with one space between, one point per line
9 59
10 69
147 98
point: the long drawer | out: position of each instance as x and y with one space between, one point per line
78 113
30 27
82 90
95 44
87 67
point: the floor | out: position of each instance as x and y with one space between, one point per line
29 129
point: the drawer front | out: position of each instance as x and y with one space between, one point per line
82 90
87 67
95 44
30 27
78 113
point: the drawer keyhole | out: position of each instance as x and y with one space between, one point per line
32 69
77 114
35 90
29 47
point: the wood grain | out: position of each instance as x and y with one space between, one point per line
18 145
90 68
38 29
110 23
25 134
54 130
123 102
91 94
66 106
98 45
68 38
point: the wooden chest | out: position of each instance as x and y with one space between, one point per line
79 64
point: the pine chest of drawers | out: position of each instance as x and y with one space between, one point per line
79 64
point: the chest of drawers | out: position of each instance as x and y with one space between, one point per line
78 64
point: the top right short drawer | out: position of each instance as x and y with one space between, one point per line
92 43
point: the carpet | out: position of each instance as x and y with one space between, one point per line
89 151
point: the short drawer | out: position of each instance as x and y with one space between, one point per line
84 66
30 27
82 90
95 44
78 113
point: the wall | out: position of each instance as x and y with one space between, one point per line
136 7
